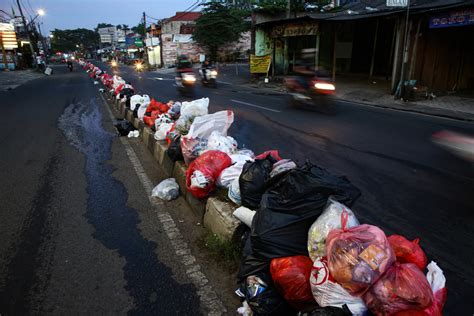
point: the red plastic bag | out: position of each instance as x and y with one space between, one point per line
402 287
150 120
273 153
291 278
408 251
358 256
119 88
437 282
203 172
157 106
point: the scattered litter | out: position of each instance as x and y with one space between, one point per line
124 127
133 134
245 215
96 82
167 190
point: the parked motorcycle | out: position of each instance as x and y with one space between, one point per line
186 83
208 77
312 91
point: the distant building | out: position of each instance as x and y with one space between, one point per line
108 35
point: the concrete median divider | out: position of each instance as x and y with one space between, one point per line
214 213
219 219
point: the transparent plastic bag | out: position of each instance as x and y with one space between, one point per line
167 190
200 130
195 108
234 192
221 142
282 166
330 219
162 130
358 256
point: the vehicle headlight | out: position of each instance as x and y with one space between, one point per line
139 66
114 63
324 86
213 73
189 78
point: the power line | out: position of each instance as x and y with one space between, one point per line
194 6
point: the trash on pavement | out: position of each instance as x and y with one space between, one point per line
331 311
48 71
167 190
133 134
245 215
202 174
218 141
408 251
330 219
174 149
124 127
403 286
272 153
358 256
282 166
163 118
245 309
291 278
137 100
327 292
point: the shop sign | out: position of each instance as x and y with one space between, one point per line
455 18
300 29
397 3
260 64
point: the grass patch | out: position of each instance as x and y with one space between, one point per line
226 252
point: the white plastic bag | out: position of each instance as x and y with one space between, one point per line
327 292
199 180
142 109
218 141
167 190
435 277
201 128
245 215
195 108
233 172
234 192
162 118
330 219
162 130
137 100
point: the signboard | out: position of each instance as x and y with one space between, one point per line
6 27
455 18
182 38
397 3
8 39
260 64
295 29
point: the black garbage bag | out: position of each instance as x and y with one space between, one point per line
331 311
291 205
124 127
174 150
252 181
262 296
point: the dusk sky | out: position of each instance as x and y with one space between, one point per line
71 14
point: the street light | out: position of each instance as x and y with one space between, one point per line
41 12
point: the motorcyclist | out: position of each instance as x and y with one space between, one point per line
205 66
305 69
69 64
183 66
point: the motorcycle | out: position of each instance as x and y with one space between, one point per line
114 64
310 90
186 83
208 77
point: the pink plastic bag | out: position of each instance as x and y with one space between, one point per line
203 172
358 256
402 287
408 251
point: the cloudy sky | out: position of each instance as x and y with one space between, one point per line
70 14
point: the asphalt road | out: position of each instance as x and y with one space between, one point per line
409 186
76 232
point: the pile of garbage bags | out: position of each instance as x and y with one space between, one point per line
305 250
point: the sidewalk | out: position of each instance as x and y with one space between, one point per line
11 79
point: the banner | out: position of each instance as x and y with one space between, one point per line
456 18
260 64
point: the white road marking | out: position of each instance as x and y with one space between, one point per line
206 293
162 79
255 106
224 82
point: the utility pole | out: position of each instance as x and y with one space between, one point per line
405 54
33 55
145 49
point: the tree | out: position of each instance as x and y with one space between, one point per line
69 40
219 24
139 29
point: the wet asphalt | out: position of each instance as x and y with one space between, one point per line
409 185
70 243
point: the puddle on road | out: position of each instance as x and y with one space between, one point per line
149 281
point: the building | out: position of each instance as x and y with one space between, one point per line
367 37
176 36
108 35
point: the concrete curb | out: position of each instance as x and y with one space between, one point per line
215 214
